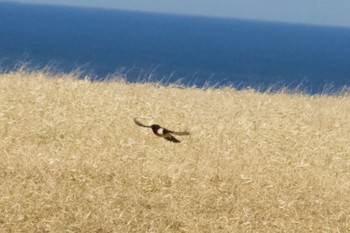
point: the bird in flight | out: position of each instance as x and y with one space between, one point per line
162 132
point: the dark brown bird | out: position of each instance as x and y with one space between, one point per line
162 132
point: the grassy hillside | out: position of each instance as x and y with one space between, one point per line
72 159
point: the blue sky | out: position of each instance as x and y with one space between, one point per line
319 12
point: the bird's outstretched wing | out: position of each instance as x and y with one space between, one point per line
180 133
140 124
171 138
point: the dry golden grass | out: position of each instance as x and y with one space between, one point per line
72 159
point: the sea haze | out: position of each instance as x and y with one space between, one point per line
197 50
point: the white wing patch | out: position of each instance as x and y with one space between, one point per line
160 131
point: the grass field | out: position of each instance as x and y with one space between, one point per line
73 160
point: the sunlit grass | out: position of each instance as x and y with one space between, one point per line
72 159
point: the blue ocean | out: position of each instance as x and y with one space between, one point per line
197 51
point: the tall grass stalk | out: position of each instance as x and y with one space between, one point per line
72 159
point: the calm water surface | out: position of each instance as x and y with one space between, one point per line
197 50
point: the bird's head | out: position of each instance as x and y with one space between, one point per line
155 127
